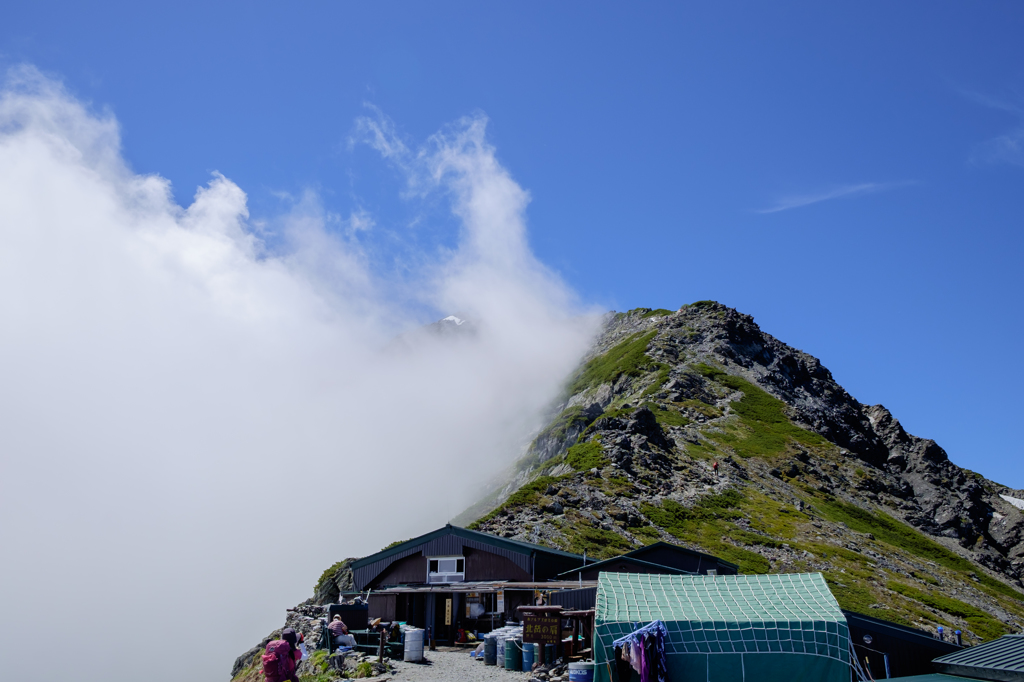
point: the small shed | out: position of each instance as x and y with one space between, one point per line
734 628
684 559
658 557
890 650
1000 660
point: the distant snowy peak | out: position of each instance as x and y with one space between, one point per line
451 327
453 324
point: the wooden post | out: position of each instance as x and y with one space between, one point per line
575 633
380 651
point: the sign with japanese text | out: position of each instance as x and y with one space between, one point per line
447 611
542 629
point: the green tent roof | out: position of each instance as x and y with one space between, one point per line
736 627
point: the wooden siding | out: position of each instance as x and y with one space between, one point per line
410 569
363 575
482 564
382 606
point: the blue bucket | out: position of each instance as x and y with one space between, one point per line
581 672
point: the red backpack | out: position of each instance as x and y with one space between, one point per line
277 661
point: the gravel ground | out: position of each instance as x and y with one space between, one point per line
451 666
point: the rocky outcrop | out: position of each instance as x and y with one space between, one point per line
335 581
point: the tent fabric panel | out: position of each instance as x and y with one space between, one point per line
746 668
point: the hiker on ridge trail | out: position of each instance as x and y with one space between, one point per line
715 467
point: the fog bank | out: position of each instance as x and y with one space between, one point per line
182 402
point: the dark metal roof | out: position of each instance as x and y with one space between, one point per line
485 538
625 558
1001 660
450 540
682 550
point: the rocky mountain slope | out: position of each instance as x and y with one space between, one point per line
809 479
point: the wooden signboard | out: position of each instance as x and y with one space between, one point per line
447 611
542 629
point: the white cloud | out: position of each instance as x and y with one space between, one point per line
797 201
196 424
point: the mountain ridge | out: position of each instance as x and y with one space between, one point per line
809 479
899 530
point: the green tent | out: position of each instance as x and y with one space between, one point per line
730 628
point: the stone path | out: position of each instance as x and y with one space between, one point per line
451 666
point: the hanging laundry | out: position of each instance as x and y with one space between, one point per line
623 669
636 657
644 648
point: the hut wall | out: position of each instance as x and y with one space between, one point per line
484 565
411 569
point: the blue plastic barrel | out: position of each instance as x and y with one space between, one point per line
528 652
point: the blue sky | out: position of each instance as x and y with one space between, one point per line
852 175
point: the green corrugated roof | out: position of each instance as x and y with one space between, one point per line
932 677
486 538
1000 659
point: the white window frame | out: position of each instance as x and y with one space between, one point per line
442 576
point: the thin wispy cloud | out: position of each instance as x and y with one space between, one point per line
1005 148
844 191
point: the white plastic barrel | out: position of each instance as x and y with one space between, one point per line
413 645
501 649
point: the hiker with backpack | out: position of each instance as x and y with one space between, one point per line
282 657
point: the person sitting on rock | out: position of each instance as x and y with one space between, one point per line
340 632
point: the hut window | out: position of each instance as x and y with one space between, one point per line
449 569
